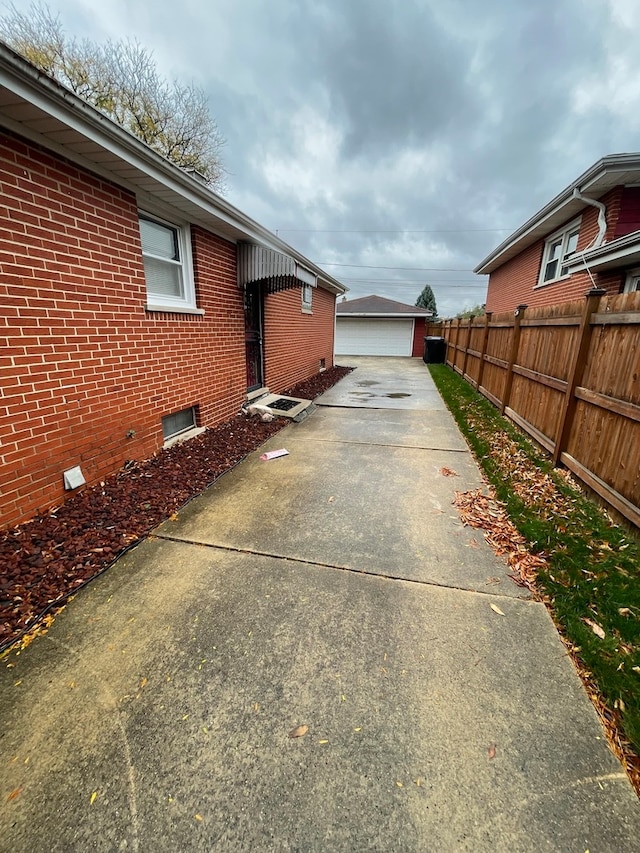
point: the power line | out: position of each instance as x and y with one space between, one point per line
406 282
405 269
389 231
419 280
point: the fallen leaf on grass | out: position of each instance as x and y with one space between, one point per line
299 731
496 609
597 630
448 472
14 794
624 611
492 751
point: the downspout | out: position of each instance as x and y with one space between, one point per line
602 219
602 228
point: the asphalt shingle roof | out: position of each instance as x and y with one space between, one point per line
379 305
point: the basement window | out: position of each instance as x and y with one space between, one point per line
557 249
178 423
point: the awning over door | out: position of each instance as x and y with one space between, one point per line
273 269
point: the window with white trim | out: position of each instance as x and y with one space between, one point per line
557 249
307 297
632 284
166 252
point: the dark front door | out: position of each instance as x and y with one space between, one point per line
253 335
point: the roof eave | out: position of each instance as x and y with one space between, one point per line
608 172
625 251
406 316
143 170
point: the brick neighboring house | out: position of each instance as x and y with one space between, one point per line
134 302
373 325
587 236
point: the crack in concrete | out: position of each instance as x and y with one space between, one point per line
380 444
237 550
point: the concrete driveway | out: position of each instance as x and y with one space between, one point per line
333 588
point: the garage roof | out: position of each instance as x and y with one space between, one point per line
378 306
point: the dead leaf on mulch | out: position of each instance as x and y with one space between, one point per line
299 731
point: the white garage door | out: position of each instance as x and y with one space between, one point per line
373 337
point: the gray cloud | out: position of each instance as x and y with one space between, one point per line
351 124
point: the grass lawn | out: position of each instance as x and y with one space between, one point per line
590 576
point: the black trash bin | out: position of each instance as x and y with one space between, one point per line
435 350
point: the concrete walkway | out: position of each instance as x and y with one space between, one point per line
333 588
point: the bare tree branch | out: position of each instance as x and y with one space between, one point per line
121 79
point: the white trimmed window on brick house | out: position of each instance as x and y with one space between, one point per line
168 269
307 298
557 248
632 283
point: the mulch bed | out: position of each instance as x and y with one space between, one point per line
47 559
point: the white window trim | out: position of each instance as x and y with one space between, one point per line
186 304
307 306
562 233
632 281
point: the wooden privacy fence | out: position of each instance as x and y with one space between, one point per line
569 375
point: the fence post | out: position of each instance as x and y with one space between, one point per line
466 348
448 340
513 356
483 351
455 357
592 300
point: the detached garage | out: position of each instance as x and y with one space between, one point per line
374 325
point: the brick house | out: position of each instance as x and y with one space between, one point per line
135 303
587 236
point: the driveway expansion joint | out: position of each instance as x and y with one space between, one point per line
302 561
380 444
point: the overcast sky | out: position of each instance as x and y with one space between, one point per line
378 136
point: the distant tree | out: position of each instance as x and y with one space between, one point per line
427 300
121 79
476 311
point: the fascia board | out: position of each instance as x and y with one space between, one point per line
55 101
369 314
623 251
595 181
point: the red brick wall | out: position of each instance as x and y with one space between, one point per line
82 361
629 216
295 342
514 283
418 337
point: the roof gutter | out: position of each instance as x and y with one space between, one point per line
610 163
55 100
